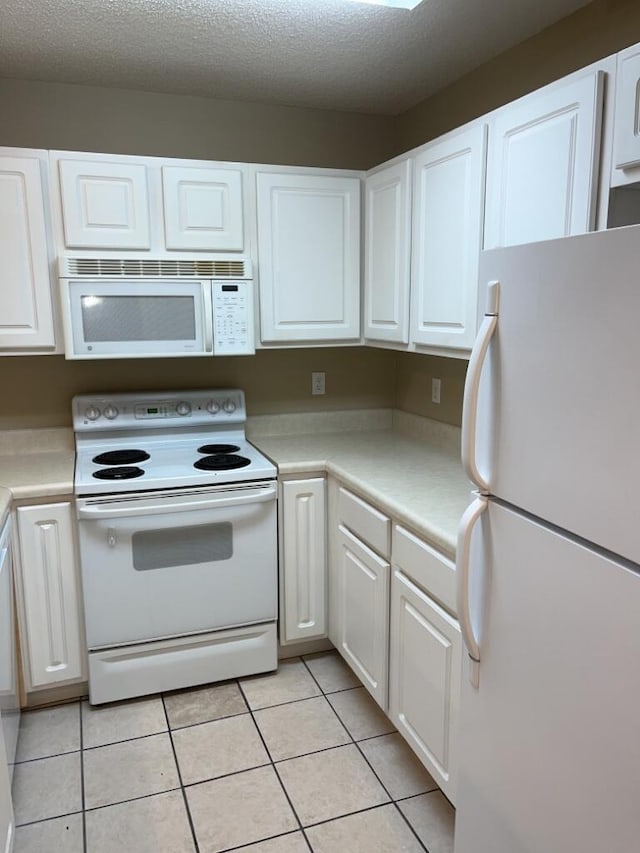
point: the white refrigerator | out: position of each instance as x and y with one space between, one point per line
548 557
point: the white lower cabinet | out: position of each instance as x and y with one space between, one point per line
424 679
363 626
49 601
303 562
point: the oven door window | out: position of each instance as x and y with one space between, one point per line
182 546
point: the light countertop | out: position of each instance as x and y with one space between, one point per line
418 482
36 463
409 468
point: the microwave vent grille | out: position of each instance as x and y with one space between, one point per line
149 268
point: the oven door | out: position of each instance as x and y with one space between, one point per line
174 563
136 319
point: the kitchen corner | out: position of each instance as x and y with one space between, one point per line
406 464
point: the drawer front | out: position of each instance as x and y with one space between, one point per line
369 524
425 566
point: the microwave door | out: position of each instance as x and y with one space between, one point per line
137 319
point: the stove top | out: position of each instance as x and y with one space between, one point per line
143 442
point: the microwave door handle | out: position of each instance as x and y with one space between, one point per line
207 309
98 511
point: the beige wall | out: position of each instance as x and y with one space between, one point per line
119 121
413 386
48 115
37 390
598 30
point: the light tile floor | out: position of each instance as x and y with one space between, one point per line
286 763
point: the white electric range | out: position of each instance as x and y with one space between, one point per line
178 541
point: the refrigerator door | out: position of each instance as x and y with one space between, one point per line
550 740
559 399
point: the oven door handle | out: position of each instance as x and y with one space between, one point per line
97 511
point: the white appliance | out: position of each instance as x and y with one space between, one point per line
9 700
549 553
178 541
141 308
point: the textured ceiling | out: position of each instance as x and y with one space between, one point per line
331 54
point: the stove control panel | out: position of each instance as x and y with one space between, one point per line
180 408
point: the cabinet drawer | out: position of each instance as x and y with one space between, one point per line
370 525
426 567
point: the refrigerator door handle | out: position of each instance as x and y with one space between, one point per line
472 386
463 554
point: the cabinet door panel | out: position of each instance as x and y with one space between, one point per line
387 253
303 560
309 257
52 622
626 152
542 164
447 238
425 671
202 208
364 612
26 318
105 205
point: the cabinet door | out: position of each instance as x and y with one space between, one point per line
303 563
309 257
424 679
447 237
105 204
626 130
543 164
52 627
387 246
202 208
7 827
364 614
26 318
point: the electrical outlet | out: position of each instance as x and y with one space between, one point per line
435 391
317 382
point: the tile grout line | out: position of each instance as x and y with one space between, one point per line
356 744
182 789
84 813
275 770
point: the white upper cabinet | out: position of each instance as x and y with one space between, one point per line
26 318
448 185
105 204
626 131
543 163
308 256
202 208
387 253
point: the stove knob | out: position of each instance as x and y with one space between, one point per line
92 413
110 412
229 406
183 408
213 407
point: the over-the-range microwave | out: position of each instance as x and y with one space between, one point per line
144 308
